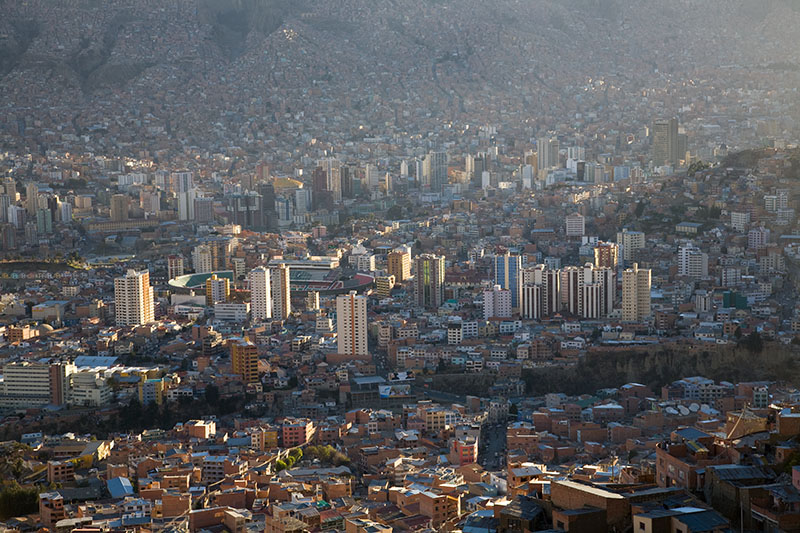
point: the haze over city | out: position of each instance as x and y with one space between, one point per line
399 265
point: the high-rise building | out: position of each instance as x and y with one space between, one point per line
270 216
17 216
244 359
635 293
312 301
575 225
574 281
31 198
547 149
202 259
175 266
44 221
217 290
399 265
429 281
758 238
630 242
496 303
119 207
665 142
332 169
692 262
507 274
351 324
541 292
204 209
434 171
260 293
245 210
133 299
280 290
606 255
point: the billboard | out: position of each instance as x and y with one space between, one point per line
394 391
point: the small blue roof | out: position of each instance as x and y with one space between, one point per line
119 487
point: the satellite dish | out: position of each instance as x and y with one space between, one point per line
684 411
694 407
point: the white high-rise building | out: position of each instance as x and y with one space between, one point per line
332 168
133 299
281 292
496 303
202 258
692 262
630 242
546 155
260 294
351 324
545 300
636 284
573 283
575 225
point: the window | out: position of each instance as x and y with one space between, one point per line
641 525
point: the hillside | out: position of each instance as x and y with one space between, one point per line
530 55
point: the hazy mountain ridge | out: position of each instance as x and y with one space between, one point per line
223 53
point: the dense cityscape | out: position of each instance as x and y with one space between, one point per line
396 265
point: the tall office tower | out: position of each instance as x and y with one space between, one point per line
174 266
44 221
31 198
351 324
8 237
635 293
245 210
133 299
202 258
575 225
548 293
65 212
332 167
692 262
182 183
244 359
270 217
434 171
218 290
16 216
476 166
260 294
630 242
546 155
606 255
119 207
429 281
418 167
399 265
302 201
204 209
496 303
280 290
665 142
508 274
348 176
